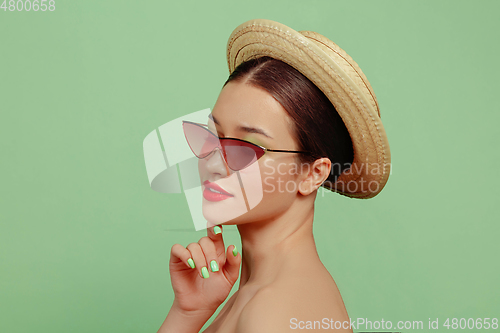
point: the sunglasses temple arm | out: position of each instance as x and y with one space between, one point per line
243 190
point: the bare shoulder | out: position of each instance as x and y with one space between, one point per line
294 303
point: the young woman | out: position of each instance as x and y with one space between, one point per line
295 114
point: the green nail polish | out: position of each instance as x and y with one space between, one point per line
217 230
235 252
191 263
204 272
213 266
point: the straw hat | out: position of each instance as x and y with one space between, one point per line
333 71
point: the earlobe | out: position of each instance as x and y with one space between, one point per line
306 187
318 173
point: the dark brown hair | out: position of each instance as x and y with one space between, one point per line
317 126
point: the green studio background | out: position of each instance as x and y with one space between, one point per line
84 240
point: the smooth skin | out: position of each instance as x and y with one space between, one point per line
282 276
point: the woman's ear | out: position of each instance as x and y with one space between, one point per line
315 175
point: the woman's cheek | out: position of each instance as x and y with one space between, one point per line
269 187
251 179
268 167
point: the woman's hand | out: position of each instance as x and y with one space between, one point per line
203 288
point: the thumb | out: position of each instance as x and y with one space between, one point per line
231 268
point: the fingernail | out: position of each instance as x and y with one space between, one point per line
204 272
217 230
235 251
191 263
214 266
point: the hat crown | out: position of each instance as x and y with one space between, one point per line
347 63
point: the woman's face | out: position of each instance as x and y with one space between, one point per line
270 185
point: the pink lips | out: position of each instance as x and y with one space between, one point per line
213 196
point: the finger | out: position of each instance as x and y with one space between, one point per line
198 257
215 234
208 248
231 269
179 253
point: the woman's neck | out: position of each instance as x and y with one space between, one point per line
268 247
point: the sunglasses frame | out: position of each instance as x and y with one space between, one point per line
205 127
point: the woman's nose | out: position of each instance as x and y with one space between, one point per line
217 164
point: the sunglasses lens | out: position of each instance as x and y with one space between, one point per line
201 141
240 154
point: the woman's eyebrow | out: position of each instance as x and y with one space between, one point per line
244 128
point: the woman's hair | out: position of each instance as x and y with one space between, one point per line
317 126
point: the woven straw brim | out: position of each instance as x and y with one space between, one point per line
341 80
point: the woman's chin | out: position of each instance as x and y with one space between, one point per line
219 212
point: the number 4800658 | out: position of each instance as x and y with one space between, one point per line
28 5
